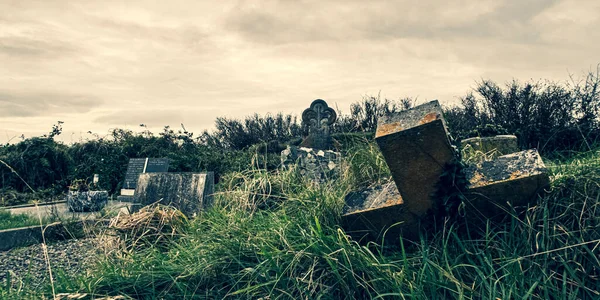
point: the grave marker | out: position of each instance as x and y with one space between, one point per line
416 148
139 166
318 117
188 192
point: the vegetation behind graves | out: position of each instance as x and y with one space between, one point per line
550 116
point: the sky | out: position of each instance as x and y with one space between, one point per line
100 65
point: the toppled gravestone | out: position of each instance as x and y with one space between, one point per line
514 178
188 192
82 201
416 147
492 147
314 157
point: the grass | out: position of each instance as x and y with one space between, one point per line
276 235
9 221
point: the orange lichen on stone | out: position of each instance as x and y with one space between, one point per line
389 128
430 117
393 201
477 180
516 174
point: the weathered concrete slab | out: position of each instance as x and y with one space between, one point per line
494 146
416 148
188 192
370 212
514 178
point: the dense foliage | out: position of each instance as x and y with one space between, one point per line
546 115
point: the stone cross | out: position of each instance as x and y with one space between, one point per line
318 117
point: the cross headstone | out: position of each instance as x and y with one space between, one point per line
318 117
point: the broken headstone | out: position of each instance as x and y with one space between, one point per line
514 178
416 147
188 192
318 165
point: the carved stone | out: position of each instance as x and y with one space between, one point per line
318 117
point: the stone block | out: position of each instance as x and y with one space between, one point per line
188 192
86 201
513 179
416 147
372 211
494 146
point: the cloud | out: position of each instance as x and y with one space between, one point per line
28 48
32 104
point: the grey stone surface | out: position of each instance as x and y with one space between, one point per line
86 201
318 117
493 146
188 192
372 198
416 147
318 165
514 178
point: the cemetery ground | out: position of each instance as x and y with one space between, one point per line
277 235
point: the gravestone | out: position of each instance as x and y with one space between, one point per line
318 117
313 157
139 166
514 178
82 201
188 192
416 147
491 147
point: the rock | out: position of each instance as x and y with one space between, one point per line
318 165
188 192
492 146
514 178
416 147
86 201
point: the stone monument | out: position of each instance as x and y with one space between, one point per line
416 147
314 156
188 192
139 166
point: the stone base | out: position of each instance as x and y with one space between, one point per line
510 180
123 198
375 213
492 147
318 165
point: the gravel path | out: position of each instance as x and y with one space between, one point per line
28 265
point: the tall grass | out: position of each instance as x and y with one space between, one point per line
276 235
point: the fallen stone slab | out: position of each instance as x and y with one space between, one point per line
493 147
188 192
371 211
510 180
416 147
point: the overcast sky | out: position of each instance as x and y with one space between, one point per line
98 65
